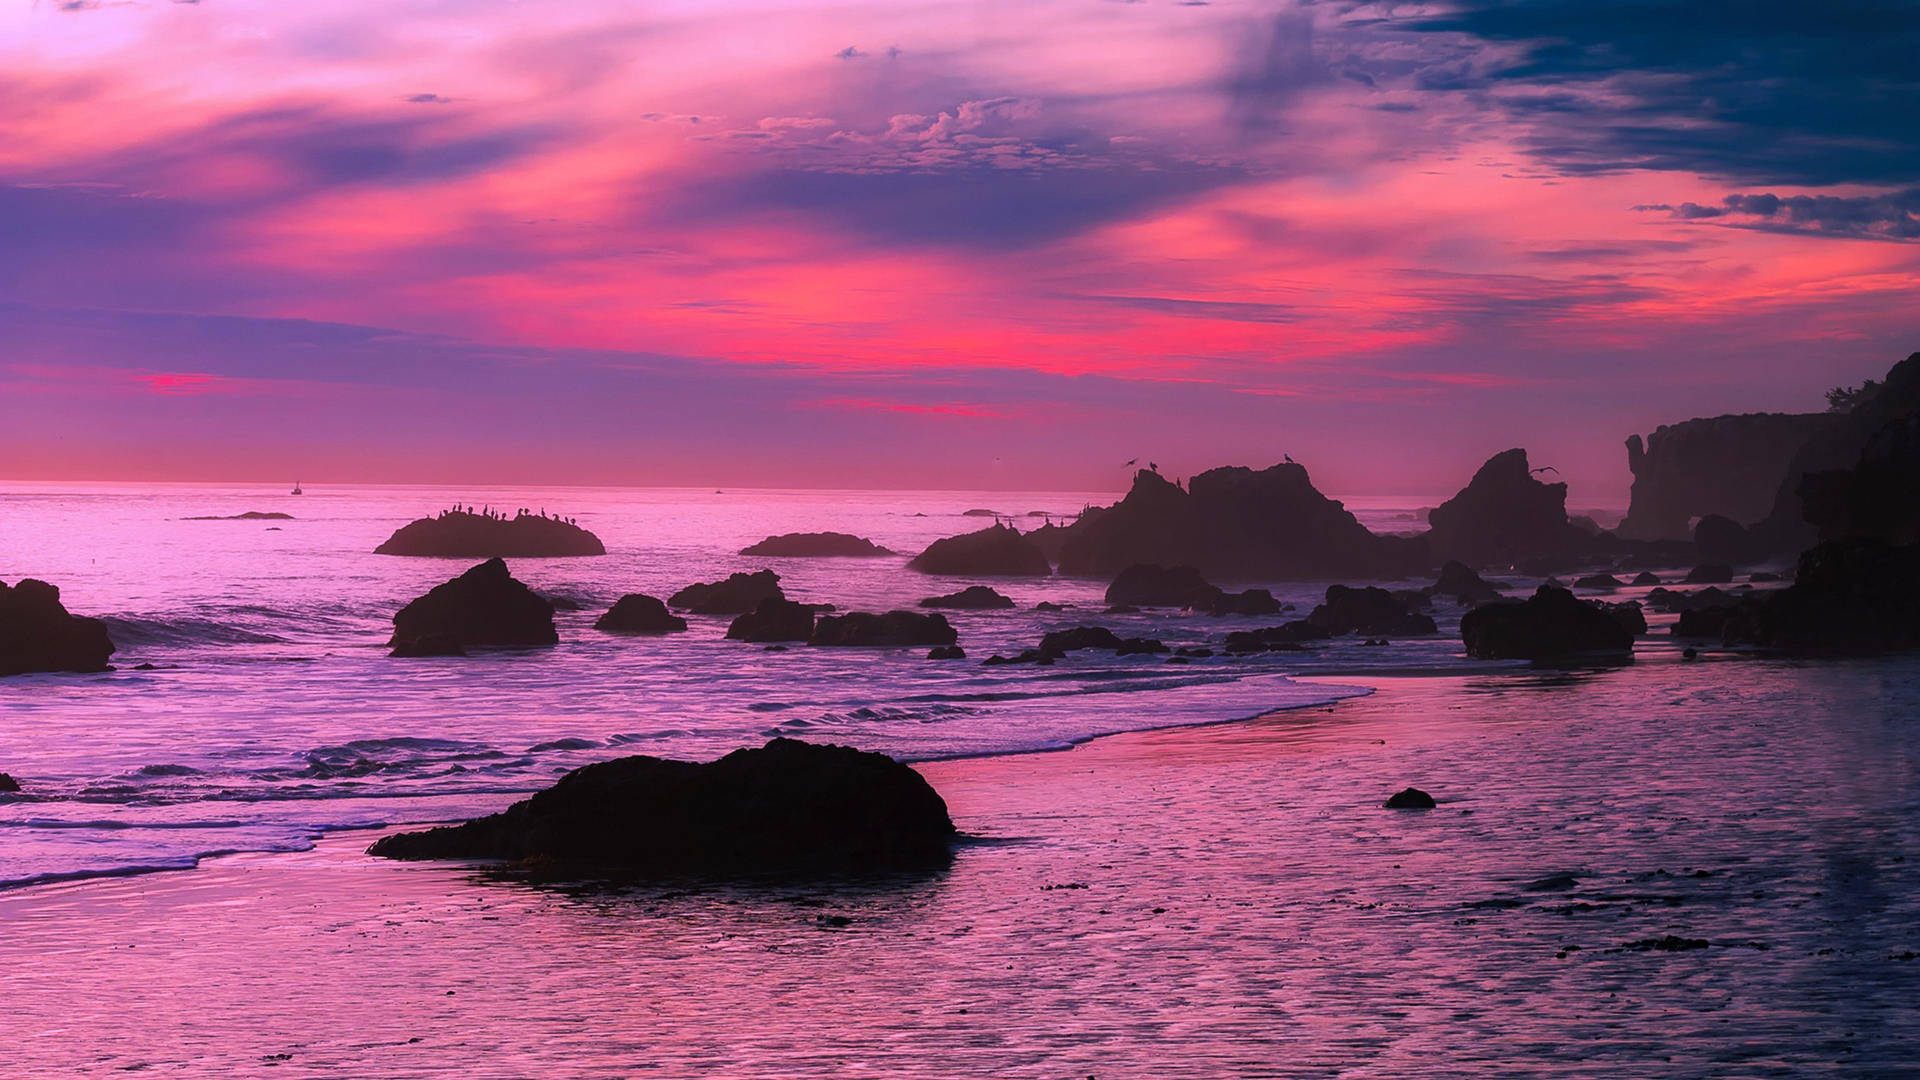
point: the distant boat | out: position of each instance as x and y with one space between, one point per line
296 488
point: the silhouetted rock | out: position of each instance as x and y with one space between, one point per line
1458 580
1839 447
820 545
996 551
8 785
947 652
977 512
1671 600
776 619
1079 637
971 598
1368 611
561 603
1603 582
1235 522
1410 799
1848 596
1193 652
1762 577
1706 622
1646 577
1628 614
250 515
1153 585
1724 540
436 643
638 613
1048 605
1879 497
1026 656
1135 646
738 594
1506 516
484 608
891 628
37 634
1247 602
785 807
1710 574
1724 465
478 536
1288 636
1553 624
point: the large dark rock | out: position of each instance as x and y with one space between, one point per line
783 808
971 598
484 608
1370 611
737 595
38 634
1410 799
1724 540
776 619
1724 465
1601 582
891 628
1839 447
1245 602
1879 497
1235 522
1848 596
1505 516
996 551
1627 613
458 534
8 785
820 545
638 613
1552 625
1060 642
1458 580
1153 585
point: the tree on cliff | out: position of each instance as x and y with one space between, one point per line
1844 398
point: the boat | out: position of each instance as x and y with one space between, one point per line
296 488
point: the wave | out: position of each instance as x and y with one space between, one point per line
181 630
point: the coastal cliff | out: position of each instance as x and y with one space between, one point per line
1726 465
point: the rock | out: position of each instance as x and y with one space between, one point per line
1762 577
1553 624
1410 799
776 619
1879 497
1193 652
1840 447
435 643
1246 602
1710 574
484 608
947 652
997 551
1848 597
1603 582
250 515
1458 580
971 598
981 513
1369 611
820 545
786 807
638 613
738 594
37 634
1026 656
1153 585
1235 522
1506 516
1048 605
1137 646
561 603
1287 636
1123 609
1628 614
458 534
1059 642
893 628
1723 540
1724 465
1706 622
8 785
1646 577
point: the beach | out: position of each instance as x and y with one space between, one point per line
1669 869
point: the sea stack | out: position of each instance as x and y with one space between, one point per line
37 634
995 551
467 535
484 608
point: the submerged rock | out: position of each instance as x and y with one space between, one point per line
737 595
638 613
38 634
785 807
484 608
1368 611
996 551
971 598
820 545
776 619
1505 516
858 628
1153 585
1554 624
459 534
1410 799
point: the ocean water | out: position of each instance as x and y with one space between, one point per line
254 707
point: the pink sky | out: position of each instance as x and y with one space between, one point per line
941 244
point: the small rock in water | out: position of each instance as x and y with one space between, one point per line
947 652
8 784
1410 799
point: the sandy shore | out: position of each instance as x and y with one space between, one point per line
1201 902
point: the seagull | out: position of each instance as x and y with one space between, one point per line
1289 458
1131 462
1546 468
1154 465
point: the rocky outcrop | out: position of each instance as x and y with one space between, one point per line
1410 799
484 608
1245 602
1505 516
737 595
8 785
38 634
996 551
785 807
1627 613
971 598
892 628
458 534
638 613
1710 574
776 619
1599 582
1839 447
1879 497
1153 585
1552 625
248 515
1370 611
1859 595
820 545
1458 580
1725 465
1276 638
1235 522
946 652
1723 540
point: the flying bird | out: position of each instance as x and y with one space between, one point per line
1131 462
1546 468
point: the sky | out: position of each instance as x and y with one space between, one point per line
889 243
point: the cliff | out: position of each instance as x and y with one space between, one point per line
1726 465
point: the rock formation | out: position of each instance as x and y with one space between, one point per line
1725 465
776 619
1552 625
1245 602
484 608
638 613
820 545
893 628
1235 522
1458 580
786 807
249 515
1505 516
1838 447
1369 611
1153 585
1859 595
459 534
737 595
995 551
1410 799
8 785
971 598
37 634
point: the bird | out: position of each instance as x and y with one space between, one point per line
1289 458
1154 465
1131 462
1546 468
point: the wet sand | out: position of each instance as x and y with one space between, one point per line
1201 902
